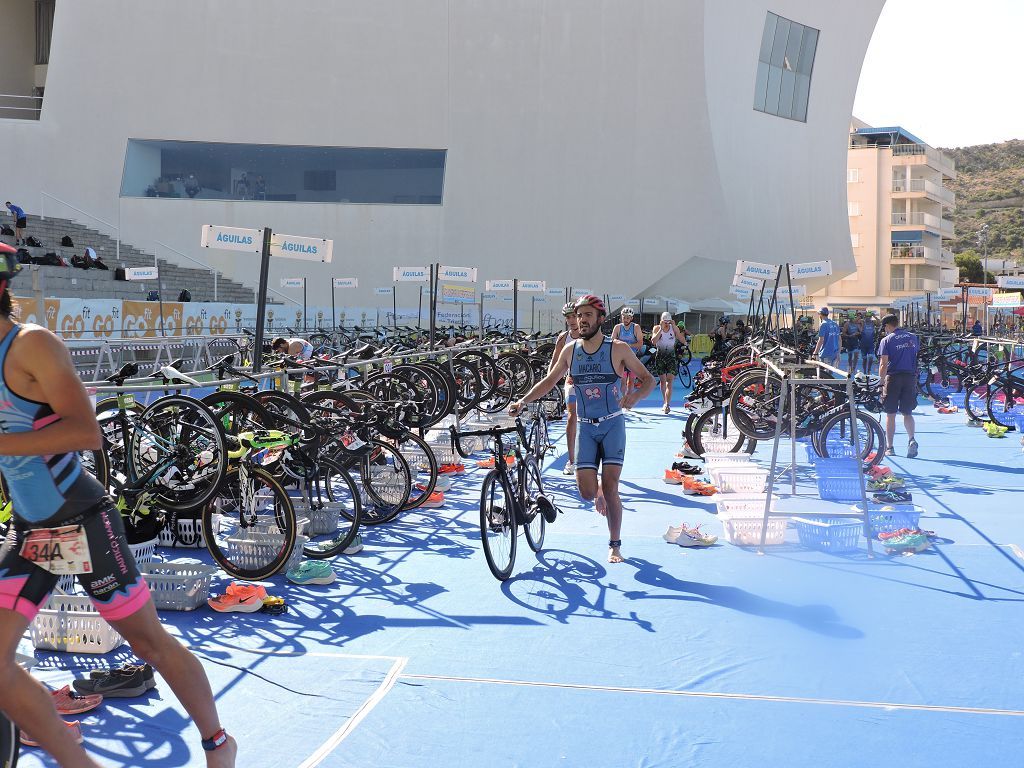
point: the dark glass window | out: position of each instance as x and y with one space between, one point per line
208 171
783 81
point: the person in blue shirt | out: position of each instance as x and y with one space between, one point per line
827 347
867 344
20 222
976 329
897 368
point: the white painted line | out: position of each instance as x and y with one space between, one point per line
713 695
342 733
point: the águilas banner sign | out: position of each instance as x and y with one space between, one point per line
295 247
980 292
556 292
757 270
293 282
741 293
458 274
533 286
798 290
348 282
810 269
232 238
141 273
1010 282
951 293
383 291
749 283
410 274
499 285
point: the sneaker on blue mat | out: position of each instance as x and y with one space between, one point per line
311 572
912 449
355 547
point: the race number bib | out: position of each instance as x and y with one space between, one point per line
63 551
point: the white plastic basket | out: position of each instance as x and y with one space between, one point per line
71 623
143 552
178 586
295 558
742 516
739 479
255 549
189 529
713 459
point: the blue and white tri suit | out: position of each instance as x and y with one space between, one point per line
601 436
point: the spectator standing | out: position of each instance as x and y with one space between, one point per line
826 348
20 222
851 340
976 329
867 344
897 368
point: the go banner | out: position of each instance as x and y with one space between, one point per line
142 319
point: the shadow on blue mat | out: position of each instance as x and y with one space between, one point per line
565 585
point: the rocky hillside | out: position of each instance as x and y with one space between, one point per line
990 189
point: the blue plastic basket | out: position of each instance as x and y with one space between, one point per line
1018 420
829 534
838 479
836 450
892 517
957 399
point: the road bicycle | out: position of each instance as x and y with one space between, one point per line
510 498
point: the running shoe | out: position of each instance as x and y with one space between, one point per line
74 726
569 469
355 547
672 533
546 507
70 702
124 683
452 469
692 537
912 449
436 500
949 409
693 487
239 599
311 572
147 671
995 430
686 469
907 543
444 483
673 477
879 471
885 483
892 497
689 453
886 535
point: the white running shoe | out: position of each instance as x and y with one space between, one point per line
569 469
689 453
672 534
692 537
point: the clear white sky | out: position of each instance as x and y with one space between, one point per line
949 71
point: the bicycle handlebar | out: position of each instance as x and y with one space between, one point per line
493 432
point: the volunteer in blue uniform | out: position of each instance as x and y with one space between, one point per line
867 344
826 348
45 420
897 368
595 364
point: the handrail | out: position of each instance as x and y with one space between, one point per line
42 215
194 261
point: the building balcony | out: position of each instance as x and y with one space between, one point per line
920 219
921 154
924 188
921 254
912 285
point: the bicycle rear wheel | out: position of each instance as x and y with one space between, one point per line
250 524
497 527
335 512
534 523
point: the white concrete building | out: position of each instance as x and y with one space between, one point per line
634 146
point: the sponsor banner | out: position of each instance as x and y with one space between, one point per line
383 291
296 247
27 311
810 269
90 318
499 285
141 319
1006 300
232 238
758 270
410 274
293 282
749 283
1010 282
141 273
458 274
458 294
533 286
347 282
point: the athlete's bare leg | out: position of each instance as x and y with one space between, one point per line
570 430
608 490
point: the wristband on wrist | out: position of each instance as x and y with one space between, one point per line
218 739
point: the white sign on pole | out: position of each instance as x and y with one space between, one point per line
743 293
293 282
798 290
348 282
141 273
556 292
499 285
458 274
979 292
758 270
616 298
232 238
539 299
950 293
533 286
411 274
750 283
296 247
1010 282
488 295
632 302
810 269
383 291
582 291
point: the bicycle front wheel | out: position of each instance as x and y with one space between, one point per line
497 526
250 524
334 514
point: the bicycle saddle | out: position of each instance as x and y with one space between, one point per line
127 371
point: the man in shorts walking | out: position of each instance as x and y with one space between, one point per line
595 364
826 348
897 368
45 420
571 333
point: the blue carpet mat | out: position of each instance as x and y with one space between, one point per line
719 656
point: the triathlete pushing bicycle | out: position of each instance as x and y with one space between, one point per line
595 364
64 523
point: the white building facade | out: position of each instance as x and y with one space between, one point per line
636 148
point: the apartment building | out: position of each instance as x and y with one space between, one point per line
899 208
